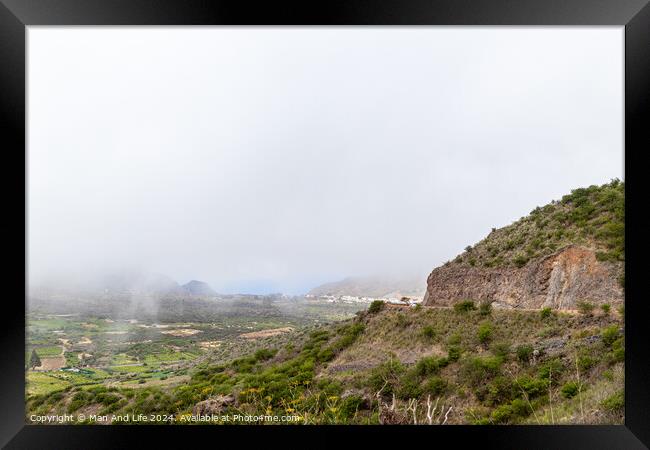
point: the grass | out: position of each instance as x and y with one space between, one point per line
39 383
49 351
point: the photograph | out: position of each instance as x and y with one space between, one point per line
330 225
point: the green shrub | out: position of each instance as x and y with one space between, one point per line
429 332
618 351
532 386
501 349
453 353
545 313
606 308
427 366
376 306
350 405
524 352
464 306
264 354
585 307
609 335
485 309
476 371
325 355
435 386
520 260
520 408
570 389
551 369
402 320
500 390
349 336
614 403
409 387
484 332
586 362
502 414
387 373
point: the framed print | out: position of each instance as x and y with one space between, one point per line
350 218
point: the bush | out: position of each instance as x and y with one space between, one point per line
570 389
435 386
606 308
614 403
502 414
409 387
464 306
350 335
524 352
485 309
532 386
501 349
500 391
478 370
453 353
618 351
520 260
586 362
350 405
485 333
376 306
264 354
545 313
429 332
585 307
427 366
609 335
387 373
551 369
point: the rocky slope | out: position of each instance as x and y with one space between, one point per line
567 252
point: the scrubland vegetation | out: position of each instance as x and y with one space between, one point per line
593 216
395 365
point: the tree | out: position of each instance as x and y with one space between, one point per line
34 360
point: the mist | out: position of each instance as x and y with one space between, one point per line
271 159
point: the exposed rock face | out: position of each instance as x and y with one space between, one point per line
558 281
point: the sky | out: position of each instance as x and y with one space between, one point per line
272 159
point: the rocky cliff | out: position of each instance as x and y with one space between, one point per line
559 281
558 256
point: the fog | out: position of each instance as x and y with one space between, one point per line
271 159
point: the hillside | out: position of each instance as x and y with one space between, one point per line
564 253
391 365
374 287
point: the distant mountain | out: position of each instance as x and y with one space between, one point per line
374 286
198 288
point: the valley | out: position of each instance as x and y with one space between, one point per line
525 327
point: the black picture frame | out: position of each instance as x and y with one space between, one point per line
16 15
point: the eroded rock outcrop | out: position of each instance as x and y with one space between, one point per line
213 405
559 281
